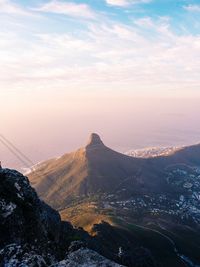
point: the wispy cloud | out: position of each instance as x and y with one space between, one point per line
125 3
144 22
8 7
110 56
145 53
192 8
68 8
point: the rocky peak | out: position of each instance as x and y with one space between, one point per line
94 140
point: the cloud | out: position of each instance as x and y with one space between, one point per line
161 25
7 7
113 56
125 3
144 55
118 2
192 8
68 8
144 22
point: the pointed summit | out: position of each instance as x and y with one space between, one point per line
94 140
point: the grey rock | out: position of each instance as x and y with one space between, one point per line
86 258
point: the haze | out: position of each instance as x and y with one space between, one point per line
45 126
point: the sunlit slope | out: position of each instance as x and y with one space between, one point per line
96 169
59 179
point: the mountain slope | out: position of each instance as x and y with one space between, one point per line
96 168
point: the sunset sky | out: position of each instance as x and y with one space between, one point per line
128 69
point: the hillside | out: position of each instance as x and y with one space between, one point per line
93 168
96 168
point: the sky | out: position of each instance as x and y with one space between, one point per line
128 69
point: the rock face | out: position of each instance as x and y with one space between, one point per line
24 218
28 223
31 233
15 255
18 256
86 258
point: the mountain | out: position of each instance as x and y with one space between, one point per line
91 169
96 168
153 203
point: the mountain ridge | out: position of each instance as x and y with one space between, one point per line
95 168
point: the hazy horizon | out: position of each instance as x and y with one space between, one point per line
49 128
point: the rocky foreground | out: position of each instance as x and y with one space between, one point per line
32 233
